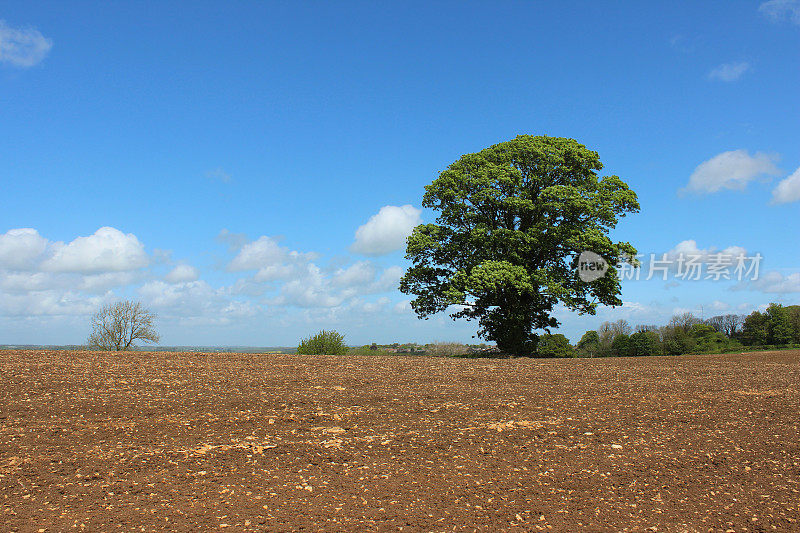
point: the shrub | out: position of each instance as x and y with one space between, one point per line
323 343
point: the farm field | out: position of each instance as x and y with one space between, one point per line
238 442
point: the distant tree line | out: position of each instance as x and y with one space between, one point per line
777 327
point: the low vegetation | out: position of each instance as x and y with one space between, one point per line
323 343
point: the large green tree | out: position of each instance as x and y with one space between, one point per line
512 220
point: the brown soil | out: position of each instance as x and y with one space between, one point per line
191 442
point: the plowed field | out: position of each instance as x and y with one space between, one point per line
193 442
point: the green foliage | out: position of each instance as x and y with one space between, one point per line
780 330
754 330
776 328
555 345
620 346
512 220
677 341
365 350
323 343
589 345
709 340
778 325
644 343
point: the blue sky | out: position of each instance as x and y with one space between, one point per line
249 170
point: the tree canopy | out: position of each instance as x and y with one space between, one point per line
512 220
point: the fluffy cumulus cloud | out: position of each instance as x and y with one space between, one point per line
312 287
107 250
730 170
779 10
195 303
386 231
39 277
729 71
22 47
265 252
45 280
687 261
774 282
286 278
788 190
689 248
361 273
182 273
49 303
21 249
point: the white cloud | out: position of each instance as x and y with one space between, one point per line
312 287
387 230
788 190
376 306
729 71
264 253
730 170
312 290
777 283
257 254
21 249
49 303
777 10
182 273
194 303
357 274
403 307
107 280
108 250
22 282
43 278
279 272
389 279
246 287
689 248
687 260
719 306
22 47
189 296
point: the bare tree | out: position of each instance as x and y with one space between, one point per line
621 327
116 326
731 324
606 333
716 322
684 321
